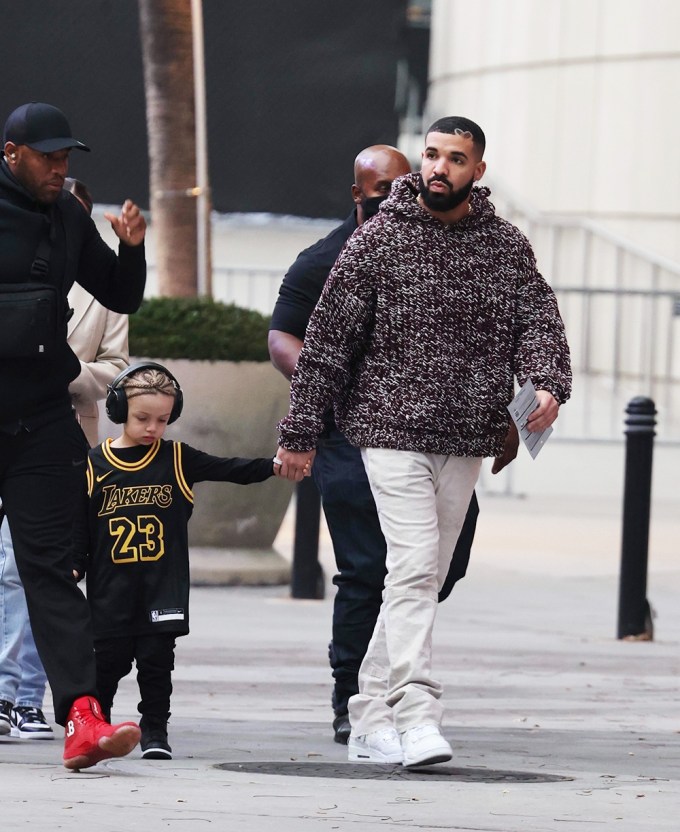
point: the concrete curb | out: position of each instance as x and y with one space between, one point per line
237 567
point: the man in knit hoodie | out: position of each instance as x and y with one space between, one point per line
428 316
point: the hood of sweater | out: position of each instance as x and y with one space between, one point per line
22 199
15 192
403 200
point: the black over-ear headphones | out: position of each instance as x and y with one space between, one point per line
116 398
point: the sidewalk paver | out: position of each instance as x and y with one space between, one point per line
556 726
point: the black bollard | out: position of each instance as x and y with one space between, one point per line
635 619
307 578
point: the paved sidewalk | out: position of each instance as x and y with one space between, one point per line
556 725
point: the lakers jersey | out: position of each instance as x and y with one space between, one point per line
140 502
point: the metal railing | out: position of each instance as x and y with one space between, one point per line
250 287
621 308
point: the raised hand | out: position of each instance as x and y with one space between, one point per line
130 225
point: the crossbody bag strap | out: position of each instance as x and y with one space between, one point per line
41 264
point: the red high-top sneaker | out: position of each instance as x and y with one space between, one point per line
90 739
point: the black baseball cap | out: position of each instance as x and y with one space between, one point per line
41 127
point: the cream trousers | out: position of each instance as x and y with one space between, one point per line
421 501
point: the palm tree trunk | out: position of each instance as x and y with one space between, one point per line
165 27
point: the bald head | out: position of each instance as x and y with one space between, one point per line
379 160
375 168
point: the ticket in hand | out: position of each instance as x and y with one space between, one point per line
520 407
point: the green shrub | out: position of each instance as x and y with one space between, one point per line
198 328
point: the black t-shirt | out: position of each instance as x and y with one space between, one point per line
305 279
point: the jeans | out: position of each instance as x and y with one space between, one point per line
422 500
359 548
22 677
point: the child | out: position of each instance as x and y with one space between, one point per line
135 548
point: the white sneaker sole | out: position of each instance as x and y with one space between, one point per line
156 754
429 758
32 735
366 755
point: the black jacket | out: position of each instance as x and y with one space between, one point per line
32 390
305 279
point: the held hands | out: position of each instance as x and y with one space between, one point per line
130 225
293 465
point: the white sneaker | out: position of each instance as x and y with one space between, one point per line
29 723
424 745
381 746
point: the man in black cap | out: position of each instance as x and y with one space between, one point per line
48 243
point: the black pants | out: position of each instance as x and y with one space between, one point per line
154 655
42 483
360 552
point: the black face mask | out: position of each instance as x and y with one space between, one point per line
370 205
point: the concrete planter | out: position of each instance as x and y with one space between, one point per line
231 409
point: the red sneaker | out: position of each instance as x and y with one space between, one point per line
90 739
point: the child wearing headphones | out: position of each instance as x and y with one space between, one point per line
135 549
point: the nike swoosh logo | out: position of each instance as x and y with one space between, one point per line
103 476
77 462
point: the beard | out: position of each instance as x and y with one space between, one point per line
443 202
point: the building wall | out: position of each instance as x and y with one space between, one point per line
578 99
294 91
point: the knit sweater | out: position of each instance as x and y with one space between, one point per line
422 328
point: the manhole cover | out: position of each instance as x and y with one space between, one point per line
348 771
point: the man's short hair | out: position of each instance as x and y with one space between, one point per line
459 125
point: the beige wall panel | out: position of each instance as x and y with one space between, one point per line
578 99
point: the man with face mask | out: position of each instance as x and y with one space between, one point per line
358 542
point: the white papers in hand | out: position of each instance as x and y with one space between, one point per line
520 407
